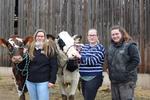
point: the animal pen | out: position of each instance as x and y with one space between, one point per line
23 17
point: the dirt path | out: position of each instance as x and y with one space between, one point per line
8 89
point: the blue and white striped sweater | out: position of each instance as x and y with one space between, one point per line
92 59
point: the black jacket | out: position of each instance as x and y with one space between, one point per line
123 61
42 68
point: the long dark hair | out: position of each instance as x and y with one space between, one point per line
126 37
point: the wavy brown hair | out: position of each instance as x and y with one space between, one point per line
126 37
49 46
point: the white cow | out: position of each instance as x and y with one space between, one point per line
68 72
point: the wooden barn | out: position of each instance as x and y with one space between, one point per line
23 17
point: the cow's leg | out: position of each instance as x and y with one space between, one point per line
64 97
71 97
63 91
74 84
22 97
19 82
62 87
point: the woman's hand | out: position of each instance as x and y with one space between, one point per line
51 85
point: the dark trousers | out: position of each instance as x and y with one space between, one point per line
123 91
89 88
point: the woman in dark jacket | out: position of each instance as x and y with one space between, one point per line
42 68
123 60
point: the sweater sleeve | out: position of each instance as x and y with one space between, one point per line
134 57
54 69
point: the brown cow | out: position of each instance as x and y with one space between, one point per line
20 60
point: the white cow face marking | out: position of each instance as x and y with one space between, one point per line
16 50
67 44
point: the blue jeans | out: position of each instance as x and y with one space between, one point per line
89 88
38 91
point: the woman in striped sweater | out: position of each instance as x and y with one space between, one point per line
91 65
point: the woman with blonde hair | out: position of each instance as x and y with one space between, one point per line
43 66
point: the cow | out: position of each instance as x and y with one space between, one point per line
68 73
20 60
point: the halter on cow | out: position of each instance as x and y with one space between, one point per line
68 73
20 60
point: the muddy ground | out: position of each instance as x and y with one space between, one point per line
8 90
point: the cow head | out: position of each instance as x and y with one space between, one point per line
68 44
16 47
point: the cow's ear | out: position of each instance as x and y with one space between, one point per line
3 42
77 38
50 36
28 40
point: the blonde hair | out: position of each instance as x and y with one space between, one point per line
49 47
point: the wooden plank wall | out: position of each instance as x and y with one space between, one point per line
6 27
146 38
52 15
77 16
